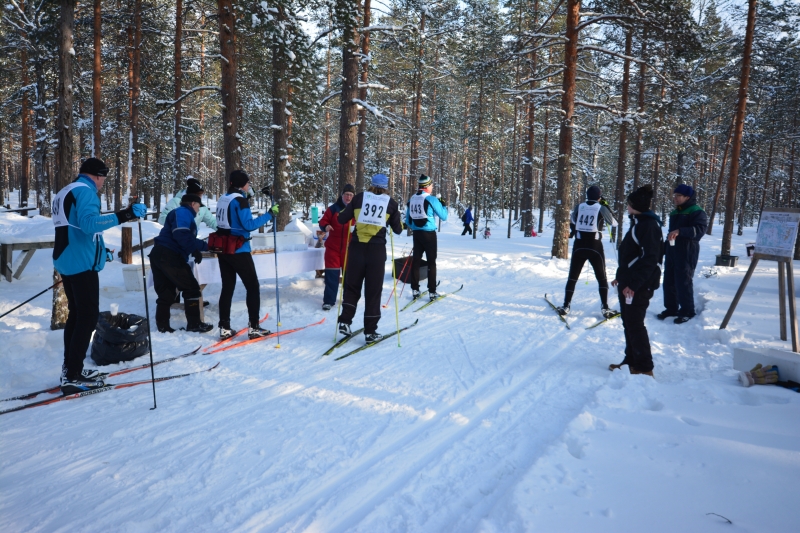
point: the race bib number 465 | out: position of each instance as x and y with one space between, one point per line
373 210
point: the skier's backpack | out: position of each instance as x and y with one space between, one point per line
120 337
464 217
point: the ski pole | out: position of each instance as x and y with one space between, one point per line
394 289
147 314
31 299
396 309
341 285
277 292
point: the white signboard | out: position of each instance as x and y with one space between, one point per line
777 233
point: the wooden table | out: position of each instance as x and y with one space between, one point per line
28 249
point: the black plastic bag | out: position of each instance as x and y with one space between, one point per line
118 338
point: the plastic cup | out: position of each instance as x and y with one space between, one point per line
114 309
672 242
629 300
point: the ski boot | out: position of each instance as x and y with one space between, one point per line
372 338
608 313
344 329
256 331
225 333
563 310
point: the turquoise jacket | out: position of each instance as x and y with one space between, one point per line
204 215
79 246
432 207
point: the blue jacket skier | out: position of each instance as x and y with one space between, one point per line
420 218
79 255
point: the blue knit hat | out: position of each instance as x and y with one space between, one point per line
685 190
380 180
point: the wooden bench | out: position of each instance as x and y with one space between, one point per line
28 249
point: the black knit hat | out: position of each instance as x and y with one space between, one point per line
640 198
424 181
94 167
593 193
191 198
193 186
239 178
348 188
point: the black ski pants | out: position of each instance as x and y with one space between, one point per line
424 242
231 265
171 276
591 251
366 265
679 266
83 302
637 343
467 229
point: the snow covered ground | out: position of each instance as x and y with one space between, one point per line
490 417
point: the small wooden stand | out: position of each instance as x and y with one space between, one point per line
781 250
785 270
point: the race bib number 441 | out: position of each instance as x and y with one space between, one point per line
373 209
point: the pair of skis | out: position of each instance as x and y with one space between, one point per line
564 320
344 340
409 304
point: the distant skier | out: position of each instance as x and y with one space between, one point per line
423 207
171 271
203 215
467 219
335 245
638 276
586 225
372 210
687 225
79 255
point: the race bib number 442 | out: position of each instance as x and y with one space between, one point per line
373 209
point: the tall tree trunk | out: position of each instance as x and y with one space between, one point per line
544 169
177 171
619 192
135 90
637 157
40 135
230 119
362 95
564 193
736 150
728 140
766 178
64 123
97 72
526 222
347 17
280 126
417 109
326 150
464 150
477 211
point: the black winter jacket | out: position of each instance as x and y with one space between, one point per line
640 253
691 221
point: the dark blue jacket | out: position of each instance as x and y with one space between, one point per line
468 216
692 222
179 233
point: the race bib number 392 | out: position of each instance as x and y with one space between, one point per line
373 209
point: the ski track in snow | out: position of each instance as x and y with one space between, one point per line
466 427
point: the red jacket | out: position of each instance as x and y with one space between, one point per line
338 238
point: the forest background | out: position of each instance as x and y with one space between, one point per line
512 106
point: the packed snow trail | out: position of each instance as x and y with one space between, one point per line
492 416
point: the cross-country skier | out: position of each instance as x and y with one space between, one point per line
586 225
420 218
638 276
335 245
235 221
366 258
171 271
203 215
79 255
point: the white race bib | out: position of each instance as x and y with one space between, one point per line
416 206
373 209
223 206
587 217
59 213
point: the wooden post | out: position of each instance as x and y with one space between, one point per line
126 255
782 298
792 307
60 311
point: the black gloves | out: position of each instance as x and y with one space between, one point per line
404 226
444 204
571 233
132 212
266 191
198 256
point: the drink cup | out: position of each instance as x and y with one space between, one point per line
114 309
629 300
672 242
